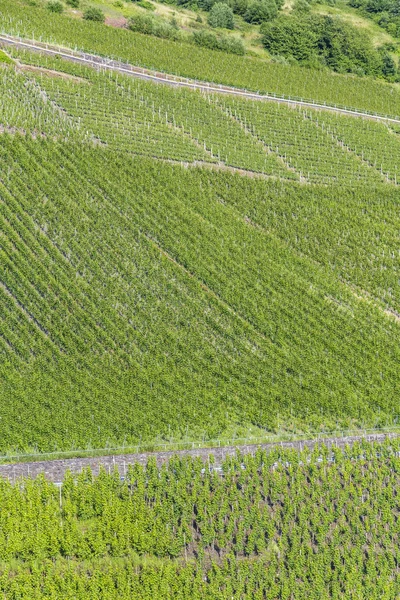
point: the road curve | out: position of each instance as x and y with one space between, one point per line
147 74
54 470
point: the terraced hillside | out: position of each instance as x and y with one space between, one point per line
21 18
181 265
146 299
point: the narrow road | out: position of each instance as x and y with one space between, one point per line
54 470
93 60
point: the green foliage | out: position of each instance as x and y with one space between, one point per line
333 42
221 15
315 524
259 11
147 5
301 6
73 3
114 241
122 116
5 59
55 7
94 14
208 39
200 63
153 26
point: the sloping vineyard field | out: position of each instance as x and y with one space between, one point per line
158 121
20 18
141 301
307 148
284 524
23 108
137 117
354 234
149 293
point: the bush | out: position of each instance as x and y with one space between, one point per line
261 11
324 40
289 36
207 39
151 26
221 15
94 14
55 7
73 3
301 6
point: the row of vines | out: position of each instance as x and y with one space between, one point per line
33 22
143 299
284 524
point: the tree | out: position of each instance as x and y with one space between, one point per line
221 15
288 36
389 67
94 14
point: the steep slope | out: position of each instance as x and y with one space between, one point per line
139 302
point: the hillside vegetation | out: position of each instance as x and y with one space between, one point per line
179 265
199 63
147 300
279 525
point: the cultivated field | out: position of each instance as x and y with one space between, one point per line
177 266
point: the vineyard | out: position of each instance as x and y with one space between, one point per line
104 300
18 17
179 265
284 524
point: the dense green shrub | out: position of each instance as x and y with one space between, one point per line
94 14
73 3
55 6
208 39
221 15
154 26
328 40
259 11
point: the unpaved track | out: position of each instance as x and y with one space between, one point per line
54 470
157 77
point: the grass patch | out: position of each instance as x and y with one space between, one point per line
5 59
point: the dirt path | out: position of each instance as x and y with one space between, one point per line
54 470
141 73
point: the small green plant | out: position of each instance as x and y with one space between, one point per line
73 3
153 26
55 7
147 5
5 59
94 14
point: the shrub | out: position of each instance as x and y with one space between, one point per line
318 39
221 15
207 39
301 6
55 6
151 26
73 3
94 14
261 11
